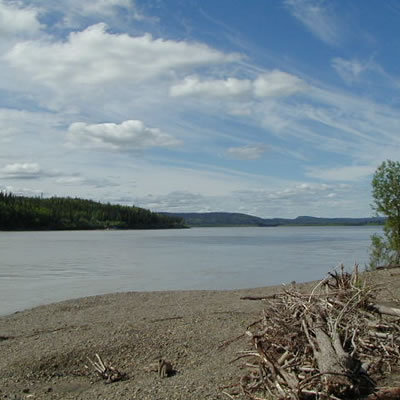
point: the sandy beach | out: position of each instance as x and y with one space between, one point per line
43 351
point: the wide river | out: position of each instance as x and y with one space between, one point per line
43 267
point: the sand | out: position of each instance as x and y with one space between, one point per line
43 351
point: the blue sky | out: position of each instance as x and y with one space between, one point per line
274 108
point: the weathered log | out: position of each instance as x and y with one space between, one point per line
273 296
389 266
334 364
389 393
381 309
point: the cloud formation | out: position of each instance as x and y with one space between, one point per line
129 135
107 8
277 83
346 173
76 13
28 171
316 17
22 171
18 20
270 84
349 70
250 152
192 85
103 7
94 56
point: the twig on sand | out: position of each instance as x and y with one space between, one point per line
106 372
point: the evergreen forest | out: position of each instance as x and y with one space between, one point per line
64 213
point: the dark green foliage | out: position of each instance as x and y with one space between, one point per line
59 213
386 195
380 253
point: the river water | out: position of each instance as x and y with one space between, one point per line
43 267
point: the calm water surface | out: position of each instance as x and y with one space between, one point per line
42 267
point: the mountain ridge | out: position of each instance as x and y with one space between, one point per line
240 219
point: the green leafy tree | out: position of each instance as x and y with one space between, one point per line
386 195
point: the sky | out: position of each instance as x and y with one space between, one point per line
273 108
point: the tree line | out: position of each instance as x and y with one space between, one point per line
65 213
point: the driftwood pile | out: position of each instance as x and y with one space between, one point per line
333 343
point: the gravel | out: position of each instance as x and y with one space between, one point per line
44 351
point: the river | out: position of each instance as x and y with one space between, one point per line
43 267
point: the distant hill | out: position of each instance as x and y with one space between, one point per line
65 213
238 219
221 219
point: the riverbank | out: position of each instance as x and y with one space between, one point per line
43 351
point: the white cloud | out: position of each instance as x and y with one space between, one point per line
71 180
94 56
192 85
26 134
297 191
247 152
277 83
103 7
347 173
22 170
76 13
178 201
110 7
270 84
129 135
16 20
349 70
15 122
76 10
27 170
316 17
370 72
77 180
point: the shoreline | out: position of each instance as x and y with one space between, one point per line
44 350
155 293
